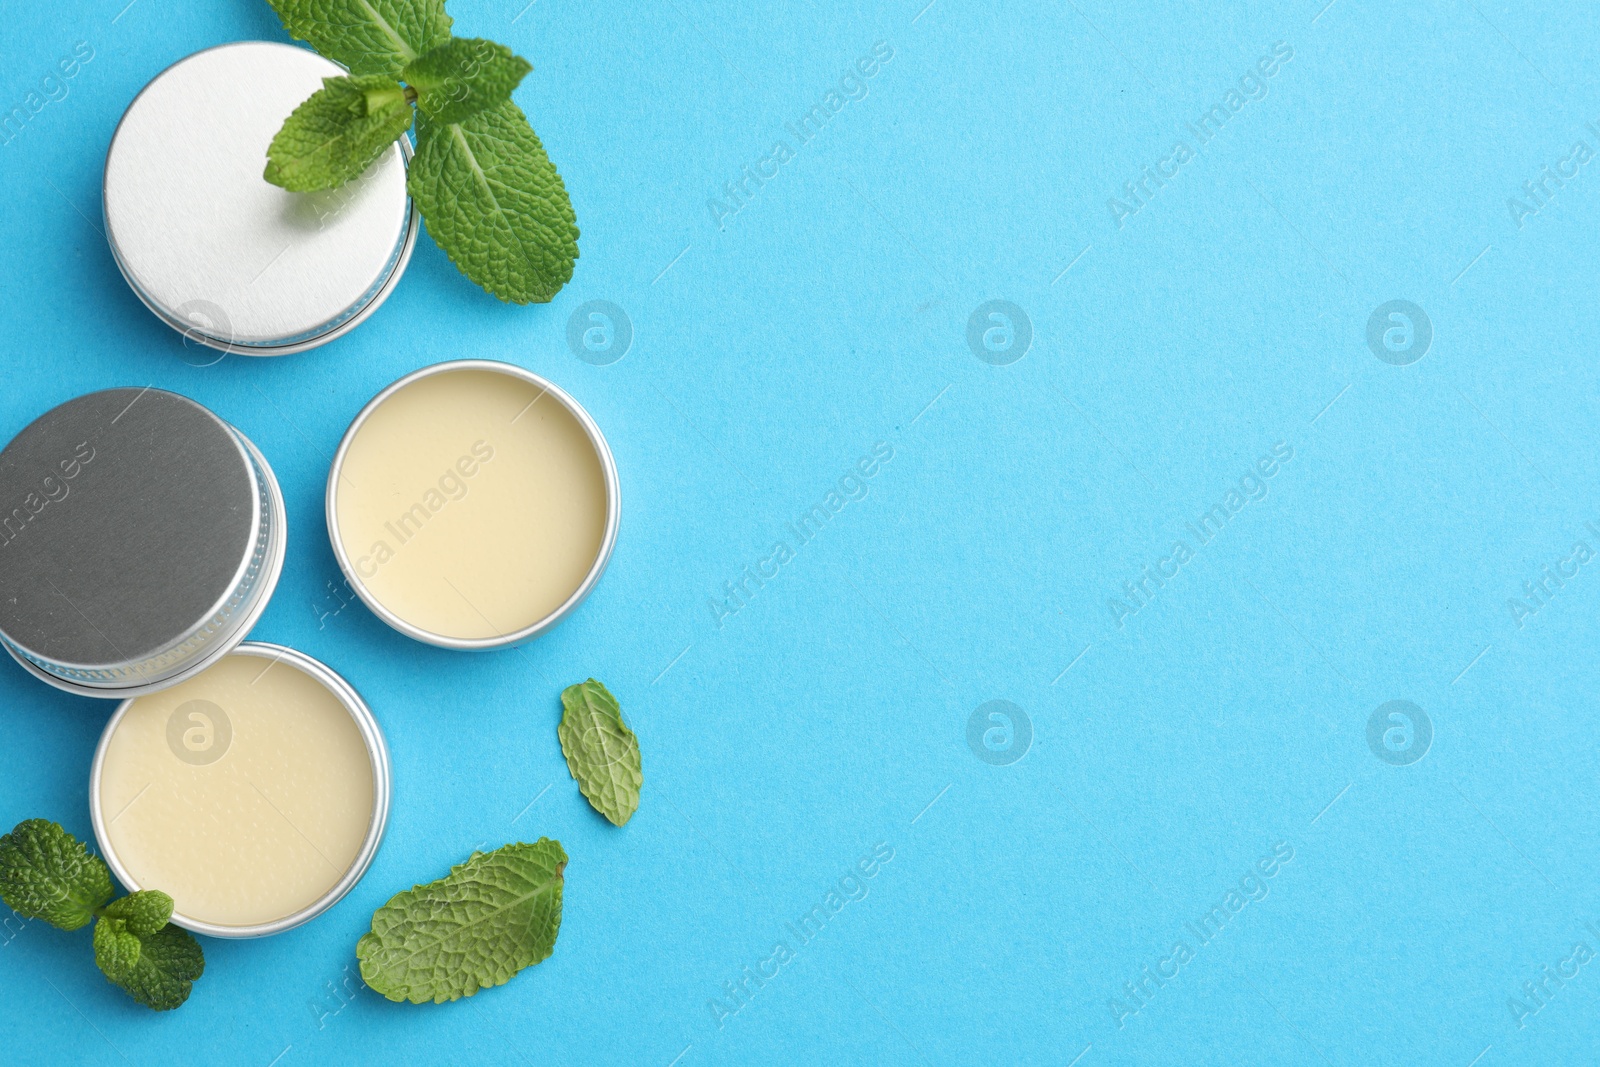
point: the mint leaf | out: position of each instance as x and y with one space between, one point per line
145 912
476 928
464 76
494 202
163 969
338 133
46 873
367 36
116 951
602 753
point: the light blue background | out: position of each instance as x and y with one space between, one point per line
829 714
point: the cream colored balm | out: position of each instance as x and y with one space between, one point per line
471 503
245 793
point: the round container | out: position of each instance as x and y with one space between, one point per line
214 249
140 539
431 432
251 821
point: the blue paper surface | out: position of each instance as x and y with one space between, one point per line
1198 747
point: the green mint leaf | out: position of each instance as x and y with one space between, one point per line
602 753
367 36
145 912
476 928
46 873
115 949
163 969
494 202
464 76
338 133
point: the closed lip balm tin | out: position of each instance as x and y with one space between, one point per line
141 537
377 751
214 249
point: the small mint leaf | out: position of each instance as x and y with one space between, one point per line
494 202
46 873
338 133
367 36
116 951
168 963
463 77
474 929
602 753
145 912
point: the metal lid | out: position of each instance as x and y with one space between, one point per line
210 246
140 537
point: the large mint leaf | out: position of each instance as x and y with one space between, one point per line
338 133
162 971
464 76
473 929
46 873
494 202
367 36
602 753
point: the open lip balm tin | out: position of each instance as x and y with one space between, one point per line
254 821
141 537
473 505
215 250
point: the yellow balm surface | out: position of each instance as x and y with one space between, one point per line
471 504
244 793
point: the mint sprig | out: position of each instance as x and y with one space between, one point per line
602 753
46 873
489 918
490 196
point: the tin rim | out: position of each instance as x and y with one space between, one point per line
602 557
244 621
336 327
377 753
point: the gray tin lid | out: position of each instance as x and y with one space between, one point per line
140 537
218 253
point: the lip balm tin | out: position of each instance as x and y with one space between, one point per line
377 753
215 250
607 540
140 538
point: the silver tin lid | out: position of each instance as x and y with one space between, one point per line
140 538
216 251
